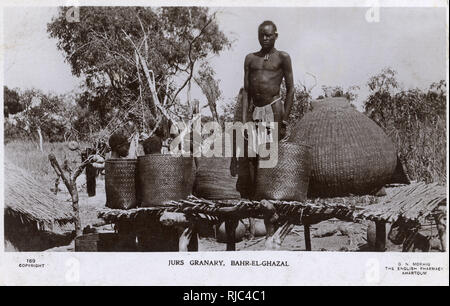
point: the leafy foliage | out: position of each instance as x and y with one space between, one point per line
301 105
228 110
210 88
338 91
11 101
415 120
98 48
48 114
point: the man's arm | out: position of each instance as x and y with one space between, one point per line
289 80
246 89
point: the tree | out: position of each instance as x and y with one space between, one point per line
209 87
41 116
415 120
11 102
302 100
338 91
111 46
382 86
332 91
228 110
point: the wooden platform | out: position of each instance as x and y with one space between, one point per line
414 203
217 211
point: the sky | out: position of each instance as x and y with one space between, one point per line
336 45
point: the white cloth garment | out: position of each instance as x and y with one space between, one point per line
265 127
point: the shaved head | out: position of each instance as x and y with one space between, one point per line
268 23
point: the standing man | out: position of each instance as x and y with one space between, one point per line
264 71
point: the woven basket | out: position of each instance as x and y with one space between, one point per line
289 179
351 154
163 178
213 179
120 183
189 174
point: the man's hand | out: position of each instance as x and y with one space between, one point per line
283 131
97 161
234 167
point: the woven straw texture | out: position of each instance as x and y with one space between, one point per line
28 200
351 154
213 179
289 179
120 183
163 178
189 174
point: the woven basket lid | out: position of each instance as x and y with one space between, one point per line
351 154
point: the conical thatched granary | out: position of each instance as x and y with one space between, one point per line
351 154
34 219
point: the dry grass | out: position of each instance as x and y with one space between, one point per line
413 202
423 150
27 200
27 156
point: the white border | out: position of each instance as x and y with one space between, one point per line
229 3
307 268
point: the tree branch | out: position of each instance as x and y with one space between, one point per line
59 172
191 62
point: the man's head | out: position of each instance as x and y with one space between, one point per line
267 34
119 144
152 145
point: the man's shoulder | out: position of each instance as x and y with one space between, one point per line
283 54
249 58
250 55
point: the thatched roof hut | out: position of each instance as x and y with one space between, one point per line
34 219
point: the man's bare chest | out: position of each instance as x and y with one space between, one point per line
273 63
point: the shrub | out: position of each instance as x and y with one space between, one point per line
416 122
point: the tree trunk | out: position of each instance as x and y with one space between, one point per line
71 185
40 139
76 207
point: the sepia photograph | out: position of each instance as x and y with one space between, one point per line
197 128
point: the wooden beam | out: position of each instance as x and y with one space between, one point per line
307 237
380 236
126 237
230 229
193 243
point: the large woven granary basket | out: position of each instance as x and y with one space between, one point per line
120 183
351 154
289 179
213 179
163 177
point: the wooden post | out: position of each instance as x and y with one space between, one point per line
193 243
442 229
307 237
90 180
230 229
126 237
380 236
